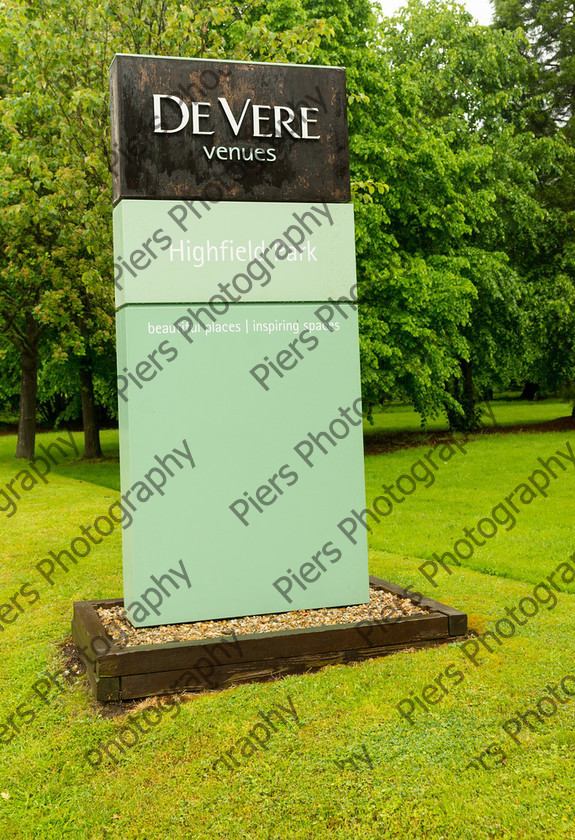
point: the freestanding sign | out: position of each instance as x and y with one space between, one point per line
238 355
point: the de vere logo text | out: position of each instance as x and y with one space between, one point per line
172 114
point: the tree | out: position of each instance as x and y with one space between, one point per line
550 29
549 266
443 253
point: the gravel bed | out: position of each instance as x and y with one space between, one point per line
382 605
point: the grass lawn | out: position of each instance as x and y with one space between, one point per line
412 782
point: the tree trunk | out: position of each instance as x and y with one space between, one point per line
462 391
28 391
467 396
530 391
92 448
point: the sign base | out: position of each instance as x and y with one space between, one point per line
217 663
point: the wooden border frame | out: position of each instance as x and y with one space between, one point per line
202 665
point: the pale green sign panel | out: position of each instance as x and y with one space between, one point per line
240 423
277 251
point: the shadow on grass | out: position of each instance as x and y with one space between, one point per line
380 442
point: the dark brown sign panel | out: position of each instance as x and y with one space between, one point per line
191 128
